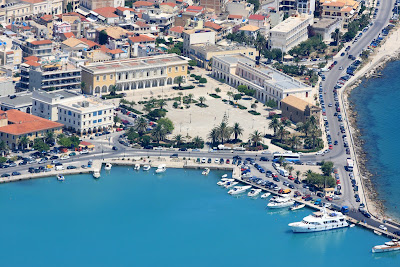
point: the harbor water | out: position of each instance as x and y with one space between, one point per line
178 218
377 104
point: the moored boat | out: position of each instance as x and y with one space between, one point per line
280 202
392 245
224 181
60 177
108 166
239 189
230 184
146 167
265 195
137 167
96 174
297 206
224 176
206 171
161 168
254 192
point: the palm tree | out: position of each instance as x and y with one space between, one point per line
314 134
229 94
178 139
237 130
290 169
298 174
202 99
23 141
141 126
197 141
50 138
159 133
190 98
213 135
113 90
254 106
148 107
294 141
224 131
179 81
256 137
282 132
162 103
3 147
274 124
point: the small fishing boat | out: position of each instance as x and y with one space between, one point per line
224 176
377 232
230 184
137 167
146 167
108 167
60 177
254 192
161 168
224 181
206 171
265 195
297 206
96 175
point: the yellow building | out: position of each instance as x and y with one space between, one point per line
346 10
134 73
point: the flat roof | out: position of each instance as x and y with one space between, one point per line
217 48
24 99
86 105
134 63
290 23
324 22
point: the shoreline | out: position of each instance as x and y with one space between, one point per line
370 70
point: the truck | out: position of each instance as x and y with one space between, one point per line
350 165
344 209
283 172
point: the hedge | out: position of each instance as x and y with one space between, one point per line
214 95
253 112
131 109
183 87
112 96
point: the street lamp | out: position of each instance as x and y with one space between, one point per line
190 114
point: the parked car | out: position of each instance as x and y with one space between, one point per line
174 156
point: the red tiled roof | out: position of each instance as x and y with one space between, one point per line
198 8
235 17
32 63
31 58
84 143
8 27
168 4
24 123
83 18
104 49
26 27
142 3
10 52
116 51
256 17
47 17
212 25
68 35
141 38
178 29
125 8
88 42
107 12
141 24
41 42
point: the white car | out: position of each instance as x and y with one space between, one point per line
216 161
266 152
319 153
158 148
382 227
65 156
85 151
203 160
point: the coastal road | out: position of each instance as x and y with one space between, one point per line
338 154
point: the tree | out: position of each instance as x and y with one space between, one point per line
83 85
282 132
237 97
256 137
254 106
203 80
178 139
271 103
327 167
141 126
237 130
290 169
319 180
162 103
3 147
159 133
217 90
198 142
113 90
167 124
274 124
145 140
69 7
190 98
116 119
213 135
103 37
202 99
224 131
40 145
298 174
192 63
50 138
179 81
23 142
64 141
294 141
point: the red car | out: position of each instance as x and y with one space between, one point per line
330 147
280 191
297 193
291 177
328 198
227 161
306 196
274 175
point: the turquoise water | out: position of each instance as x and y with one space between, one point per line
179 218
377 103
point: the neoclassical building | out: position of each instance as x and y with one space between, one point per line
133 73
269 83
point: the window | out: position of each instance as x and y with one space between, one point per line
176 69
95 113
98 78
94 121
100 120
183 67
100 112
104 77
111 76
69 113
169 69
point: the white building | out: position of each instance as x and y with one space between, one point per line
290 32
269 83
306 6
200 36
78 113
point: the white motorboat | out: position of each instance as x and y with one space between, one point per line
60 178
388 246
254 192
224 176
297 206
146 167
320 221
230 184
206 171
265 195
108 166
247 175
224 181
137 167
161 168
239 189
280 202
96 175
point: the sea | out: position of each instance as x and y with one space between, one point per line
377 102
178 218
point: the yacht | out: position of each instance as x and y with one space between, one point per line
265 195
297 206
239 189
60 178
224 181
206 171
320 221
280 202
224 176
108 166
137 167
230 184
388 246
161 168
254 192
146 167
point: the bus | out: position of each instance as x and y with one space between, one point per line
287 156
350 165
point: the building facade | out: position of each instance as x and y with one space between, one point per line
290 32
133 74
200 36
269 83
298 110
346 10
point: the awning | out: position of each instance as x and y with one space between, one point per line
82 12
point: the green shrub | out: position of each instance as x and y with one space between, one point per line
254 112
214 95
